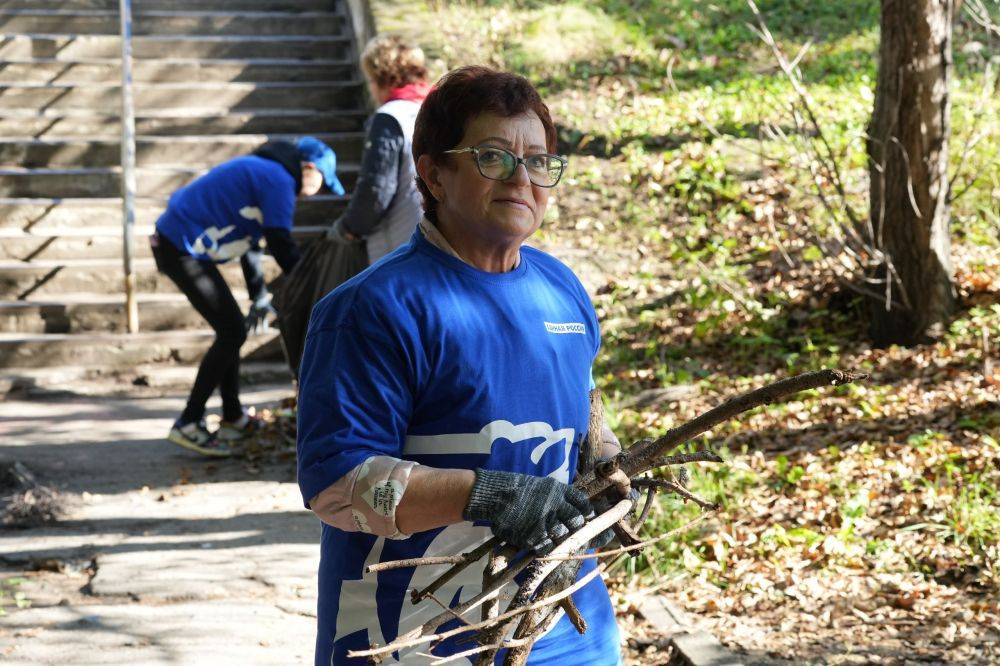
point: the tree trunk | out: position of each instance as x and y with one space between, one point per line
908 166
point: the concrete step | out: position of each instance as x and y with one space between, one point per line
179 70
44 278
105 181
43 123
62 216
203 98
77 21
194 151
181 5
77 47
102 380
93 313
121 350
91 242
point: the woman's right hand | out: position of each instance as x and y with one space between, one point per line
340 234
528 512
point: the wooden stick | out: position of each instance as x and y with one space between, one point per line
497 563
399 644
646 508
510 643
678 489
467 559
697 456
537 575
575 616
628 549
590 452
415 562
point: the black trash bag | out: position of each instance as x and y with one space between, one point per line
324 266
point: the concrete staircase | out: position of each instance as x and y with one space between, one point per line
213 80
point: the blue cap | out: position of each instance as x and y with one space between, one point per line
313 150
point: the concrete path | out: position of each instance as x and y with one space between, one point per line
163 557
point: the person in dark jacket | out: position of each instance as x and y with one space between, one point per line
223 215
385 204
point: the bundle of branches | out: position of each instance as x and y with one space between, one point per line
548 582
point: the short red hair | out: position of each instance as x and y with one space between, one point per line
461 95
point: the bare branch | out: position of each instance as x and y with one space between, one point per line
468 558
496 647
981 15
537 574
646 508
497 563
645 456
639 546
415 562
792 74
676 488
685 458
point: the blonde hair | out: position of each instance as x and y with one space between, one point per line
390 62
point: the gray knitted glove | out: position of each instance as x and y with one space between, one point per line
527 511
256 320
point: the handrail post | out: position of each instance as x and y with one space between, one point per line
128 167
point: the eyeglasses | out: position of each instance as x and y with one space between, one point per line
544 170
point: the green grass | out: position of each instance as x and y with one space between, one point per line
11 595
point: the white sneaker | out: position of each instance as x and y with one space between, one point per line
196 437
240 429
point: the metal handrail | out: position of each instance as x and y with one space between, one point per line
128 167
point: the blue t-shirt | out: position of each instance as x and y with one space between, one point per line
425 358
221 215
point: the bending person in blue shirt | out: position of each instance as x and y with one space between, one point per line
443 393
223 215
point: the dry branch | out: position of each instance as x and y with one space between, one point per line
639 546
644 456
512 643
467 559
676 488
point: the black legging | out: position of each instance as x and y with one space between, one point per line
208 292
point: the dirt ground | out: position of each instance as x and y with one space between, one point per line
160 557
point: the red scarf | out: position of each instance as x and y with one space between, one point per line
411 92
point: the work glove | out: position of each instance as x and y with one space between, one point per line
528 512
256 320
340 234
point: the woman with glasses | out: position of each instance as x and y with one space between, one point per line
443 395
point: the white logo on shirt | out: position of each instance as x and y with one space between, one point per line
252 213
566 327
482 442
208 244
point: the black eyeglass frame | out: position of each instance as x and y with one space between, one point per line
517 161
